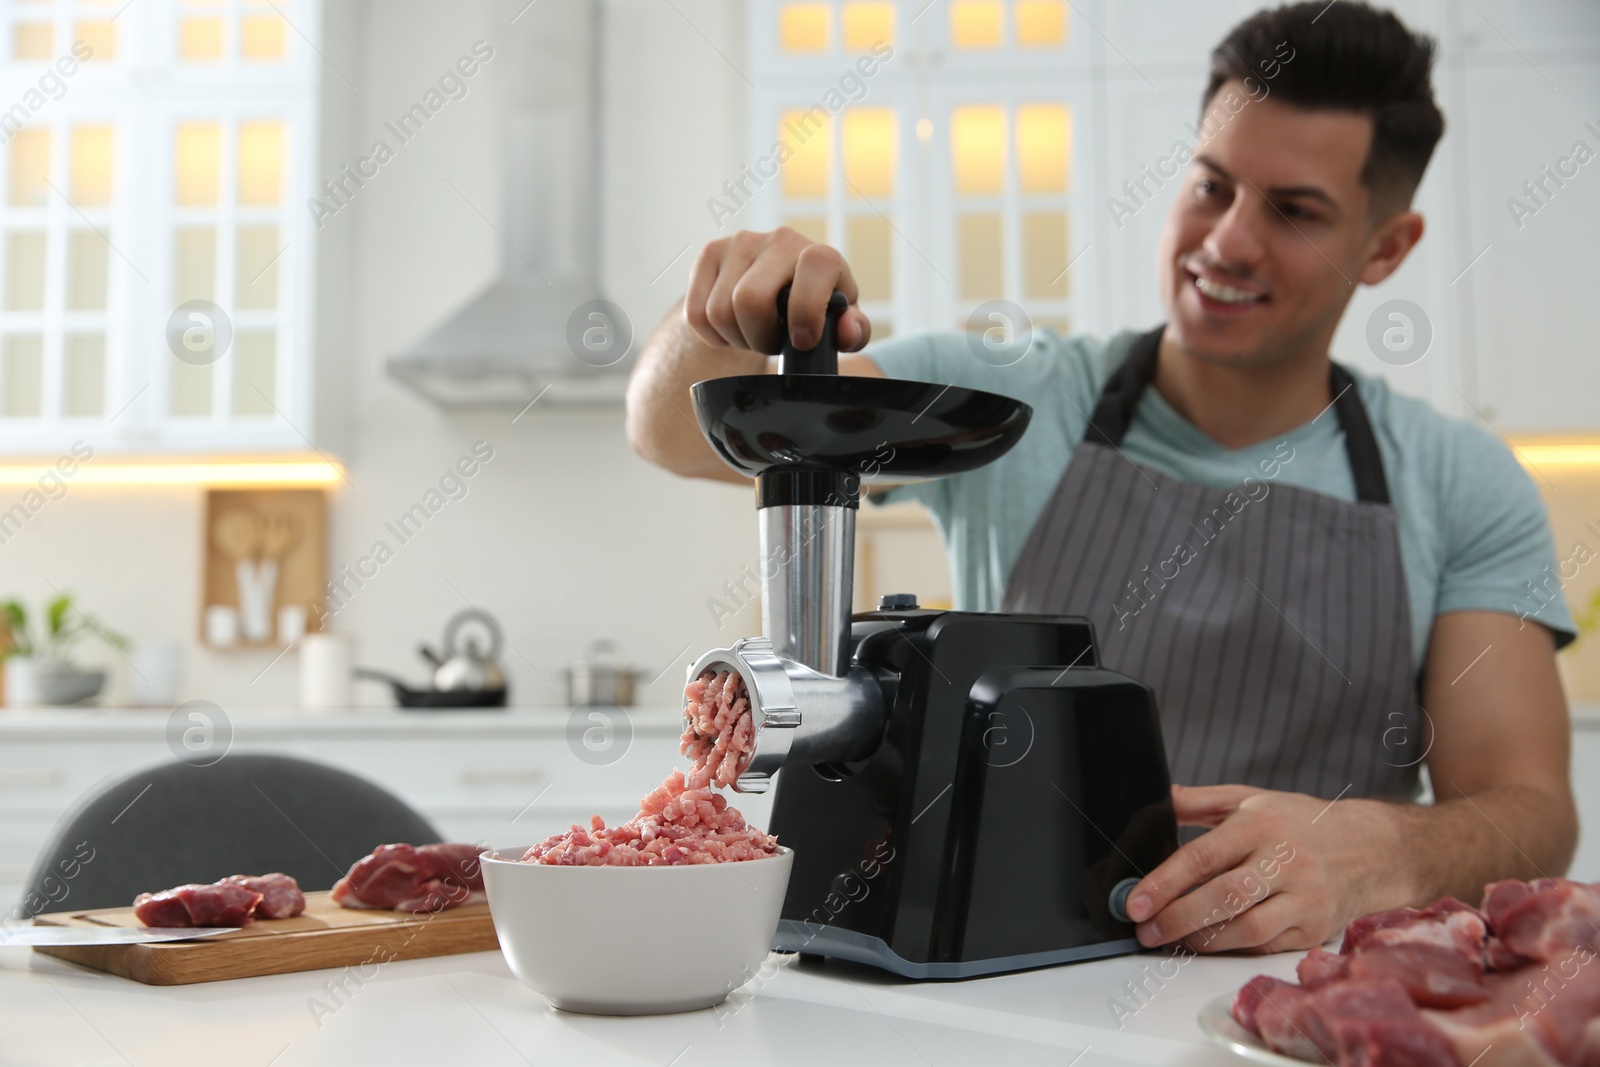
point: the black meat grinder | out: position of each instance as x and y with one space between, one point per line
966 793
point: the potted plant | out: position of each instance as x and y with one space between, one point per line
37 668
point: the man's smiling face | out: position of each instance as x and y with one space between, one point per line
1269 234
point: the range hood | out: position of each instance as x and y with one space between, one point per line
536 331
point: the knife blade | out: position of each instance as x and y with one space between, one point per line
57 936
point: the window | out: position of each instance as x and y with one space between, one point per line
155 259
932 144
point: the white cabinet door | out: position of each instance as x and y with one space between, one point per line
1384 326
1586 784
156 255
1138 171
1532 213
991 238
1518 31
1151 33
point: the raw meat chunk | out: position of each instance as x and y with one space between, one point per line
1434 977
412 878
1326 1012
280 894
1544 920
1357 1023
1319 967
1360 929
1531 1018
1393 1043
1500 896
1252 997
1449 925
1507 985
1281 1018
217 904
1488 1036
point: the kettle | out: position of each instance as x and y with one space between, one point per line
464 668
463 676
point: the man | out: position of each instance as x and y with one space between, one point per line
1289 553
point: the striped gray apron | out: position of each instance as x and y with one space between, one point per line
1271 621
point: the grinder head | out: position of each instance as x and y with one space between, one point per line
798 714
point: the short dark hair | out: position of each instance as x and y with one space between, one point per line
1346 57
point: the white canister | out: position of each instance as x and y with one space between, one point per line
157 675
291 623
222 625
22 682
327 661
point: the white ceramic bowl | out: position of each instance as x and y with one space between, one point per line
635 940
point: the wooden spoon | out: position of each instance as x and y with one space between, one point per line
237 533
278 535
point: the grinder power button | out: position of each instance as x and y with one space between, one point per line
898 602
1118 901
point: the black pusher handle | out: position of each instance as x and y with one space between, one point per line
822 359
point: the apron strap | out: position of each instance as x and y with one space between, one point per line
1119 399
1360 444
1120 396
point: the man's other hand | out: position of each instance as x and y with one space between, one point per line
1277 871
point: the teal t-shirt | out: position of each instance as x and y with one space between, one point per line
1474 535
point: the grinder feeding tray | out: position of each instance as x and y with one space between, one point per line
807 417
967 793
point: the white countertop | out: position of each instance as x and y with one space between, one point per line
468 1009
65 724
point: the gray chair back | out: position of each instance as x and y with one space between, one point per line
175 823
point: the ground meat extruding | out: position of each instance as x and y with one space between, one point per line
682 820
720 734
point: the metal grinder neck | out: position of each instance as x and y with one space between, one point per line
807 576
807 523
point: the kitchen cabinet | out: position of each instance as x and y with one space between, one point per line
937 148
1528 310
1513 29
1586 785
156 258
1430 281
1507 344
503 779
1138 170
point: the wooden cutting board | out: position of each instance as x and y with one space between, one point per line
325 935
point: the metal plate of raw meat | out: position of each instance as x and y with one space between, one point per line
1218 1024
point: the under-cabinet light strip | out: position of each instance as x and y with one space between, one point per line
211 473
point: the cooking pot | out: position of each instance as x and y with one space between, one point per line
600 678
